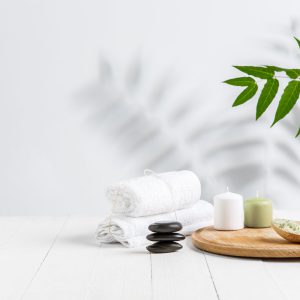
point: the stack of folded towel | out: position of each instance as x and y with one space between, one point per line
139 202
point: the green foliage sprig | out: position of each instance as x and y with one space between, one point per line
288 98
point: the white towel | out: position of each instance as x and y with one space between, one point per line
154 193
132 232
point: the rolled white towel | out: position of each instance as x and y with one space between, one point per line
154 193
132 232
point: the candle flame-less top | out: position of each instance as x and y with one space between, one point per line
227 196
258 201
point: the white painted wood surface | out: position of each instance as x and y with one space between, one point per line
57 258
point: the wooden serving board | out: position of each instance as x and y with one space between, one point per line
247 242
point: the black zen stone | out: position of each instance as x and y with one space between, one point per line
164 247
165 227
165 237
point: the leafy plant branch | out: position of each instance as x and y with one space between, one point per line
267 73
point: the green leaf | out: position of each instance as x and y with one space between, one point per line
268 93
298 133
288 100
246 94
292 73
241 81
298 41
276 69
260 72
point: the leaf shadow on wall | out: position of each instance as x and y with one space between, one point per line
159 124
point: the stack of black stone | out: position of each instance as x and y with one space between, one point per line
165 235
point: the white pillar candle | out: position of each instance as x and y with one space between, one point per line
228 211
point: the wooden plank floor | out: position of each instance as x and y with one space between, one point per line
57 258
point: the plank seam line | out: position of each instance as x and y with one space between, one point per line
211 276
44 258
91 273
151 276
274 280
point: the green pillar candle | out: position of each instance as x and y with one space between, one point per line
258 213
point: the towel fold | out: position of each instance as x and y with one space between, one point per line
132 232
154 193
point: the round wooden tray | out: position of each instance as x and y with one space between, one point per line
247 242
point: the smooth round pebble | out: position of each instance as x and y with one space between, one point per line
165 226
164 247
165 237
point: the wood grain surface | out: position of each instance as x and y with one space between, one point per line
248 242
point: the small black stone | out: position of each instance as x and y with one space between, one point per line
164 247
165 226
165 237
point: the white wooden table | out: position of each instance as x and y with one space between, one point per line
57 258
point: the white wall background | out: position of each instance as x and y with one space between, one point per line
57 155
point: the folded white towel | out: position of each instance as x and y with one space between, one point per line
154 193
132 232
